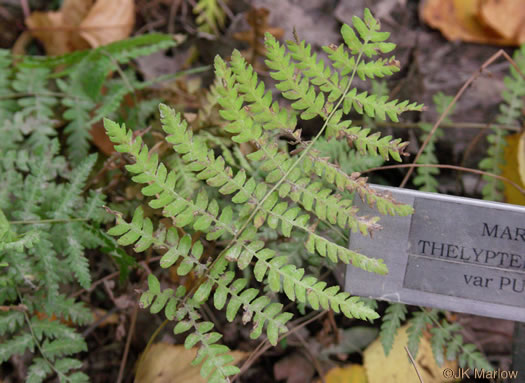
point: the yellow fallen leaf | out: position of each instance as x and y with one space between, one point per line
81 24
521 157
168 363
352 373
514 168
460 20
397 368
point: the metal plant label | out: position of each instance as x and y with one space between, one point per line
453 253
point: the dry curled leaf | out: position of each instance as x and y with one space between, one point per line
168 363
506 17
514 168
499 22
81 24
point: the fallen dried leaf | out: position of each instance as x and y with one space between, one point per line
397 368
506 17
514 168
108 21
80 24
462 20
167 363
101 139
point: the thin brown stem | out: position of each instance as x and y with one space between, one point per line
414 364
451 125
315 362
453 167
264 345
131 331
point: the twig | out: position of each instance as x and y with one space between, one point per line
453 167
37 342
97 323
131 331
414 364
458 95
264 345
311 356
20 307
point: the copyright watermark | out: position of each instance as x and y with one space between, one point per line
479 373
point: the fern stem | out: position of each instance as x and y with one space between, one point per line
37 343
453 167
43 221
450 125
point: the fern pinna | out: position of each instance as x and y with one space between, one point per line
289 191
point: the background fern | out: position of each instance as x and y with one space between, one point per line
47 220
426 179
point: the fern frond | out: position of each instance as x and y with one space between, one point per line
372 69
328 206
418 323
373 40
394 315
10 321
373 145
384 202
426 176
348 160
215 173
16 345
261 107
511 109
215 356
377 107
210 16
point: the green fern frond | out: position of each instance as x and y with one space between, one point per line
346 64
394 315
16 345
418 323
511 110
244 199
377 107
215 173
445 338
426 176
210 16
121 51
365 143
214 356
348 160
